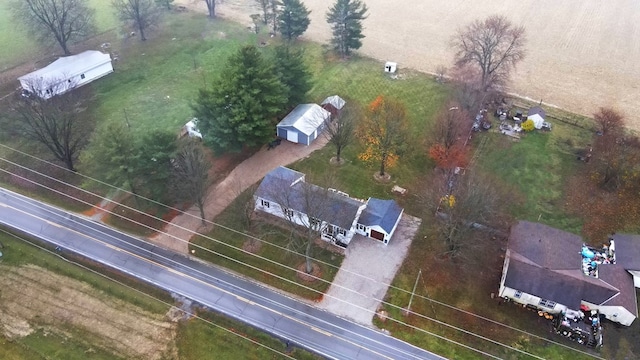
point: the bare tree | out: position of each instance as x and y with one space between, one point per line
467 85
493 45
64 20
310 210
608 120
468 214
59 122
211 7
141 14
266 10
190 179
341 131
275 11
451 126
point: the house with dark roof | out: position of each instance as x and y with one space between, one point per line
303 124
544 269
626 249
338 217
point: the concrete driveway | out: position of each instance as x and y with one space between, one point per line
366 272
177 233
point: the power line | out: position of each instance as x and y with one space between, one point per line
347 330
389 285
289 268
145 294
279 264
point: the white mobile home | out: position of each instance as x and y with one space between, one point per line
67 73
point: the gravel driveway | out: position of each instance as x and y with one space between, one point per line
366 272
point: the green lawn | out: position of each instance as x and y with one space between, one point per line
264 267
195 339
17 45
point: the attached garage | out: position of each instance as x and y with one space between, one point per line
379 219
376 235
303 124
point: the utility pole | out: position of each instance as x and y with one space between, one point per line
408 309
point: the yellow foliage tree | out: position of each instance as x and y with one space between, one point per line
528 125
383 132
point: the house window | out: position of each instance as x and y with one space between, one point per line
314 222
265 203
547 303
518 294
361 227
288 213
342 231
81 76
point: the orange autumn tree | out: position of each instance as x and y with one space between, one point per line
447 137
383 132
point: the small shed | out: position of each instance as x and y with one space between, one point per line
67 73
390 67
303 124
537 115
334 105
379 219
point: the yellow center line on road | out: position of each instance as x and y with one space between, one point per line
243 299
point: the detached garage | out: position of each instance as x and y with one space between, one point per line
303 124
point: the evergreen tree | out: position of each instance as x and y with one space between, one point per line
346 18
242 106
153 167
293 20
293 73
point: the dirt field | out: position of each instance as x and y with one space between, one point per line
33 298
583 54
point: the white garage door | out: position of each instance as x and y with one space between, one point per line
292 136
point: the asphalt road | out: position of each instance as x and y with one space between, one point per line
301 324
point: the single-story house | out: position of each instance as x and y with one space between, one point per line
626 249
547 269
334 105
537 115
337 216
303 124
67 73
379 219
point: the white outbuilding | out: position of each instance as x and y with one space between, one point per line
67 73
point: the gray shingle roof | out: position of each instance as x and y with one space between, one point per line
384 213
308 198
546 262
536 110
544 283
617 276
546 246
627 249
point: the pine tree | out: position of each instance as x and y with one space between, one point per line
293 20
242 106
293 73
346 18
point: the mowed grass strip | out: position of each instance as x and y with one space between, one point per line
268 264
195 339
